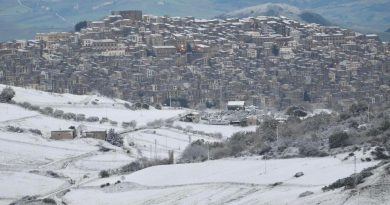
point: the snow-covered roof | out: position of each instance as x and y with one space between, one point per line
236 103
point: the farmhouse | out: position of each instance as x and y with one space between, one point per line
101 135
62 135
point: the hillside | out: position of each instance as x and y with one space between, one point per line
45 166
228 181
70 171
24 18
270 9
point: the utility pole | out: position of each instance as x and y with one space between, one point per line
354 172
170 99
155 148
151 151
277 135
208 151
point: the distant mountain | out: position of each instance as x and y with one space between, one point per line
23 18
388 30
271 9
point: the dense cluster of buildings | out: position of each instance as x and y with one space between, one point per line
268 62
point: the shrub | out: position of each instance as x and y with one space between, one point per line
125 124
142 164
127 105
339 139
69 116
385 125
351 181
306 193
6 95
132 167
357 109
80 117
379 154
133 124
104 174
195 152
104 120
26 105
35 131
145 106
15 129
49 201
138 105
311 151
34 107
238 143
47 111
58 113
92 119
344 116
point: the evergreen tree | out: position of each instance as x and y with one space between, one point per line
6 95
114 138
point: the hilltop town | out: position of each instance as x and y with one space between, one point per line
268 62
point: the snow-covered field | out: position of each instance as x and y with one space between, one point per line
83 104
125 115
228 181
31 164
42 98
153 143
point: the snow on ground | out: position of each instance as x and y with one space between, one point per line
26 119
104 161
19 184
20 150
11 112
82 104
318 172
125 115
235 181
226 130
157 142
42 98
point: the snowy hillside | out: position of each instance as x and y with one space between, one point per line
229 181
90 105
69 171
277 9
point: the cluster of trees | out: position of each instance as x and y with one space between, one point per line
57 113
134 166
21 130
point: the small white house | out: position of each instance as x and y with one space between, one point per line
236 105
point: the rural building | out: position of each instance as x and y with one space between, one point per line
101 135
236 105
62 135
